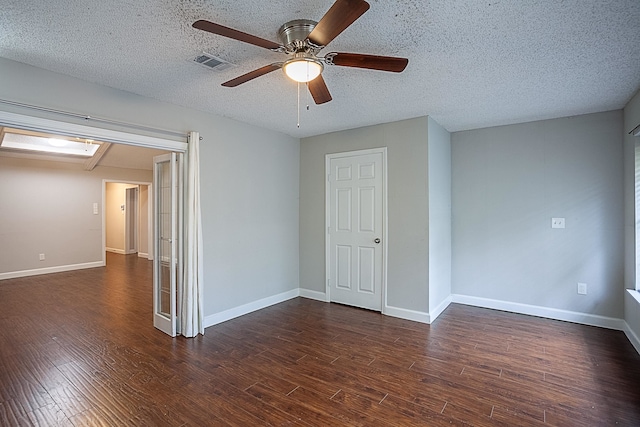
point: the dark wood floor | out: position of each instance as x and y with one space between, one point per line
79 348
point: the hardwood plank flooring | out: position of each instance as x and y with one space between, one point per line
79 349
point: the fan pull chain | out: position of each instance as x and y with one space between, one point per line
298 105
307 84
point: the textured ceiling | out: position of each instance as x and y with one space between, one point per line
471 63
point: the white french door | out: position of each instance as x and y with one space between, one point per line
356 228
167 268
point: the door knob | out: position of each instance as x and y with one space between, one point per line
377 240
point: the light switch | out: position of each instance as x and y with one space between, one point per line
95 208
557 222
582 288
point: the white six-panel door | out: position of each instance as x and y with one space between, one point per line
355 229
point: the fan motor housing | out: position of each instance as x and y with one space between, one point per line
294 33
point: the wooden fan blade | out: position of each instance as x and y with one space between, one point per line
319 90
234 34
371 62
342 14
252 75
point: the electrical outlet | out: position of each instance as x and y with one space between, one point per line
41 257
582 288
557 222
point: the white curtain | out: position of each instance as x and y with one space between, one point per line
191 311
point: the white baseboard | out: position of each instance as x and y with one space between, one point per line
47 270
232 313
403 313
629 332
143 255
549 313
315 295
633 338
433 314
115 251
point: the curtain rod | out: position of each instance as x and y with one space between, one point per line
95 119
635 131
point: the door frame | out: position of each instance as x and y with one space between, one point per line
149 186
59 127
38 124
327 218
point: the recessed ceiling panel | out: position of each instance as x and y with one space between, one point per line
49 145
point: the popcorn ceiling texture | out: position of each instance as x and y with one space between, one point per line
472 63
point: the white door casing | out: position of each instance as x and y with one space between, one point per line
356 228
149 213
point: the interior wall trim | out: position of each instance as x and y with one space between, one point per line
232 313
315 295
433 314
401 313
404 313
115 250
89 118
546 312
47 270
57 127
633 338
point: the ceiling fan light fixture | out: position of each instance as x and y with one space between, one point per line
303 40
303 68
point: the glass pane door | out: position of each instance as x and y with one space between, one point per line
165 271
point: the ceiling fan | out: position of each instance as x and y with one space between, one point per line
302 40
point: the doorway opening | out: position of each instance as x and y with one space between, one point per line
80 207
128 225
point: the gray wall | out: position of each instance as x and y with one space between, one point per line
249 176
439 169
408 237
508 182
47 207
